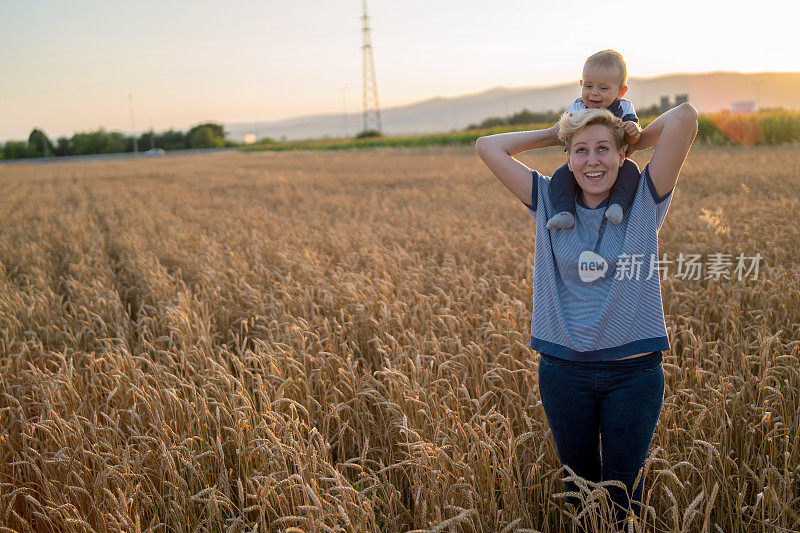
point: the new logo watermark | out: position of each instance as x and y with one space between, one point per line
591 266
716 266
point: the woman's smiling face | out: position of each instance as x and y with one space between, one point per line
594 159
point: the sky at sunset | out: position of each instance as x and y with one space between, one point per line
70 66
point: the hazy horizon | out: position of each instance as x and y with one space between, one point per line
70 68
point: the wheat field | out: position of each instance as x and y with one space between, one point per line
338 341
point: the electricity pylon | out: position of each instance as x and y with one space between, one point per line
371 119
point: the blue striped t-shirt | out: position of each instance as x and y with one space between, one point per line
620 107
580 311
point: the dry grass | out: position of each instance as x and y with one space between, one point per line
339 342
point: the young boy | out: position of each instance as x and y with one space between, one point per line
603 85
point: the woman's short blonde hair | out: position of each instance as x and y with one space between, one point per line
573 123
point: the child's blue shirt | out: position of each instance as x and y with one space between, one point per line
620 107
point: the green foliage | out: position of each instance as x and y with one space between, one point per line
649 112
491 122
776 126
208 135
217 129
525 116
780 127
40 145
367 134
529 117
147 140
205 136
17 150
707 132
171 140
97 142
454 138
63 146
37 145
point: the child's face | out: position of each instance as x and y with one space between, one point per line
600 87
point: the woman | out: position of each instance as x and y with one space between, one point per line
598 320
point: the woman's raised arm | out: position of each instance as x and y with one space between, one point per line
673 132
498 152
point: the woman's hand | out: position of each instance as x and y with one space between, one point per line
497 152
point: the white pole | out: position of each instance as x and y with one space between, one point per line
152 136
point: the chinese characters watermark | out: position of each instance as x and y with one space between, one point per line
716 266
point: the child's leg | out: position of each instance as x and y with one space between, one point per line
562 194
623 190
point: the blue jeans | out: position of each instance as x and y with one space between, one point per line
614 402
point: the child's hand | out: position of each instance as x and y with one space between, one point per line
632 132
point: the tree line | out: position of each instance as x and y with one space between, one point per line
527 116
207 135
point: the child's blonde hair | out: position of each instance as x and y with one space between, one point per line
572 123
611 60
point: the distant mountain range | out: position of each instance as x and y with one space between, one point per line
709 92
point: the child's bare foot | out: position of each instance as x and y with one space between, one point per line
614 213
562 220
